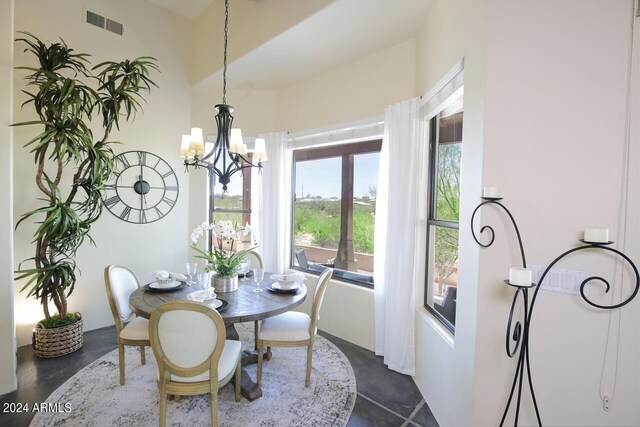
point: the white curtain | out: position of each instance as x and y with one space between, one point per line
274 210
396 236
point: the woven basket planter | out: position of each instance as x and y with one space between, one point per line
55 342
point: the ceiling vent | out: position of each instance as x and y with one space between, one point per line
100 21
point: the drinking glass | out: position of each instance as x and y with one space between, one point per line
244 269
258 276
191 271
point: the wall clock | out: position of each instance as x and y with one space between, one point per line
143 189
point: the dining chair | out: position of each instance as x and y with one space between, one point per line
193 356
255 261
132 330
294 329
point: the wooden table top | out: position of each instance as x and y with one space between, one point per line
244 304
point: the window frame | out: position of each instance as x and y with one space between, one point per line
368 146
432 221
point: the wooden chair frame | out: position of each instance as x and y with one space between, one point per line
120 322
256 323
321 287
166 368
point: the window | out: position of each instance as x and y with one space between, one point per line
235 204
445 154
334 209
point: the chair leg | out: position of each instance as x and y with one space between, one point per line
307 382
269 353
214 407
163 405
260 346
238 378
176 398
121 361
256 333
143 358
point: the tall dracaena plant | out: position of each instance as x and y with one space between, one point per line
65 94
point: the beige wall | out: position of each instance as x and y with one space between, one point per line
7 331
152 31
445 366
359 89
556 93
251 24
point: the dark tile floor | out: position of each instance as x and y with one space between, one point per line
385 398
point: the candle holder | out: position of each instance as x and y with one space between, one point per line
517 335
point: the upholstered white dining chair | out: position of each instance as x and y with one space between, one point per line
132 330
294 329
193 356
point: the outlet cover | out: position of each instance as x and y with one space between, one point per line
561 280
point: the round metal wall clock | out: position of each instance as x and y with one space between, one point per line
143 189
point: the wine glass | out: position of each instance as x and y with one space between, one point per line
258 276
244 269
191 271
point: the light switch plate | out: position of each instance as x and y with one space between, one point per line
561 280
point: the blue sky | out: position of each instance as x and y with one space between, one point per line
323 177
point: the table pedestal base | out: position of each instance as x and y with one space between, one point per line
248 388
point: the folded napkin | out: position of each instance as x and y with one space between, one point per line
165 275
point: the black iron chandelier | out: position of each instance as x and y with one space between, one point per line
229 154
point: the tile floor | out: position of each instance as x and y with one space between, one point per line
385 398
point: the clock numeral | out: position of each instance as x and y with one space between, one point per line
109 186
123 160
158 212
171 188
125 213
157 163
142 158
169 201
143 217
167 174
112 201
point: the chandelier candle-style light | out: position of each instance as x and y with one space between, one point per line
229 154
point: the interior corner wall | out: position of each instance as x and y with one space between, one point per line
7 330
360 89
445 365
556 96
149 31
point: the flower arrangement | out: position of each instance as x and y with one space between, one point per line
223 259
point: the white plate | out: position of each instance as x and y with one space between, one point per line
289 277
172 285
285 286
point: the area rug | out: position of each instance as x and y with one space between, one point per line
93 397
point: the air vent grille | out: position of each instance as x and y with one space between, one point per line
104 23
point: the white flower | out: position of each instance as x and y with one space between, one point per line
247 229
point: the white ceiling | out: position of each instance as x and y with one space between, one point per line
190 9
342 31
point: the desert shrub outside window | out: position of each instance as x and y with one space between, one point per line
334 201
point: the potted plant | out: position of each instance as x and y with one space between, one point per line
65 93
222 260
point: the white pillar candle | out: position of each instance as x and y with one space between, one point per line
597 235
520 276
492 192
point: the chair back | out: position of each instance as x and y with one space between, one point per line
301 256
255 260
120 283
187 339
318 296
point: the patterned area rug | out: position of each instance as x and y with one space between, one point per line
95 397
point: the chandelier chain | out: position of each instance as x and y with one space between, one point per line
224 69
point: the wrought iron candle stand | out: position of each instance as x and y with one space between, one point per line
517 335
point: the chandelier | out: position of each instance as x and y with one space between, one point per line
229 154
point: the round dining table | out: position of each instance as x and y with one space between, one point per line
245 305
